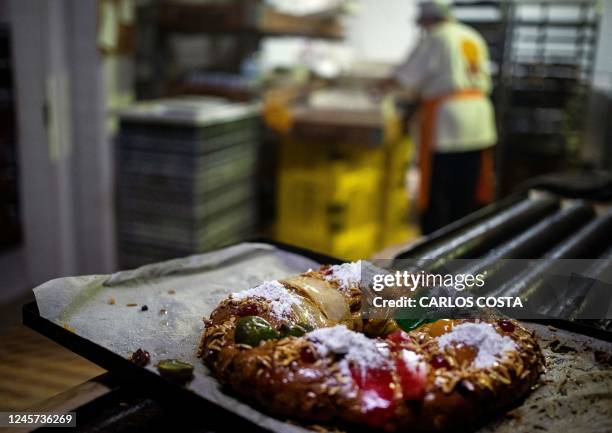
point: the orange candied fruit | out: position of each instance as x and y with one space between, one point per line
439 327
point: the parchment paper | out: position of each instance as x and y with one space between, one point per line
576 391
575 395
199 282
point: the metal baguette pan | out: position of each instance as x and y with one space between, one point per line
184 168
477 237
135 254
190 240
585 299
180 162
198 156
586 243
573 231
185 141
195 208
582 298
533 242
186 186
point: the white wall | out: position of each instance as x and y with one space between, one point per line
383 30
603 66
64 156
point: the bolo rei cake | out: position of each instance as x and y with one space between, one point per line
300 349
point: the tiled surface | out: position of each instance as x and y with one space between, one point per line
33 368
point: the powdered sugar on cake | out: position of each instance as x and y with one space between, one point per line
360 351
280 299
490 344
414 362
346 274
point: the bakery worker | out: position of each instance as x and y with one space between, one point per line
448 71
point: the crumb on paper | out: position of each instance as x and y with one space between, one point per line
171 292
144 308
175 369
515 415
67 327
131 305
603 358
111 301
557 347
163 312
140 357
324 429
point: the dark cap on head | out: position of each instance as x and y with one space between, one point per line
431 11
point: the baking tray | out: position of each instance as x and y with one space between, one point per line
149 382
190 141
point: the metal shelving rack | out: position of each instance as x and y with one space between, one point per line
239 24
544 72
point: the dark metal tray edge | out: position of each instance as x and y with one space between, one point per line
166 391
130 374
171 393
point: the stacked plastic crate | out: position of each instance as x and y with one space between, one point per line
186 170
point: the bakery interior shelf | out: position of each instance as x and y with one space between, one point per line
238 26
232 93
243 17
557 23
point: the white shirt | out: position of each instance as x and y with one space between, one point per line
453 57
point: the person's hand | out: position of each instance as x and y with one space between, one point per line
389 84
382 88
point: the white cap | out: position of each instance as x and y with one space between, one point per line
433 10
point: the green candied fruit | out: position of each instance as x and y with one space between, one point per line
252 330
175 370
298 330
410 324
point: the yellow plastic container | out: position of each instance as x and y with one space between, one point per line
397 227
341 199
354 244
326 203
398 158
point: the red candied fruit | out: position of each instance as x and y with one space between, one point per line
327 271
412 381
397 338
248 310
307 355
506 325
141 357
438 361
376 395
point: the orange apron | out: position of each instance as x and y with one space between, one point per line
429 115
